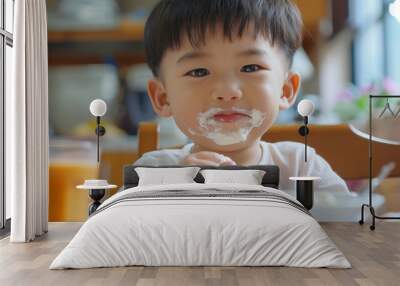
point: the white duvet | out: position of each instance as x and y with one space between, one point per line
200 231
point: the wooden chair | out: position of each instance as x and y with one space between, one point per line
346 152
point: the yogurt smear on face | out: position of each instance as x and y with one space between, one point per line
212 124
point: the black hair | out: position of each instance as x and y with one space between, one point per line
278 20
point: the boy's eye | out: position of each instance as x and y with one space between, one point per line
250 68
198 73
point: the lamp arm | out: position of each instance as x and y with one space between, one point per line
305 137
305 148
303 131
98 138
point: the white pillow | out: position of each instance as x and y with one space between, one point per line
162 176
248 177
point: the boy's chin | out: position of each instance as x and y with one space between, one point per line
209 145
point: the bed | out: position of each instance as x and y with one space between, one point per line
200 223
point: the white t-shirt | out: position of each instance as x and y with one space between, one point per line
288 156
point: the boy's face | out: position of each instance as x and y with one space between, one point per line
226 94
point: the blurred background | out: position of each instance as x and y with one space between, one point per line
96 51
350 50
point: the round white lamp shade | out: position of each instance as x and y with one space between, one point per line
305 107
98 107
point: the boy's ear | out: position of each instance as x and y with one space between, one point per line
158 97
290 90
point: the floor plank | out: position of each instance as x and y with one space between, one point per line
374 255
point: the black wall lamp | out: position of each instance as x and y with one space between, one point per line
98 108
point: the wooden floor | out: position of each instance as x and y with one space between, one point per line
375 257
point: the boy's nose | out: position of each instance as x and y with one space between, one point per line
227 93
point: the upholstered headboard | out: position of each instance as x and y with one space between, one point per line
270 179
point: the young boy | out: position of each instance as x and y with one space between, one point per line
222 71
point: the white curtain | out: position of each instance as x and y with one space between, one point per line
27 141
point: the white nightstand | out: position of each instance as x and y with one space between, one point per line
304 190
97 189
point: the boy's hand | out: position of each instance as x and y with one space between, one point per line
208 159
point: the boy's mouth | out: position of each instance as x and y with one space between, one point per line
230 116
228 126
